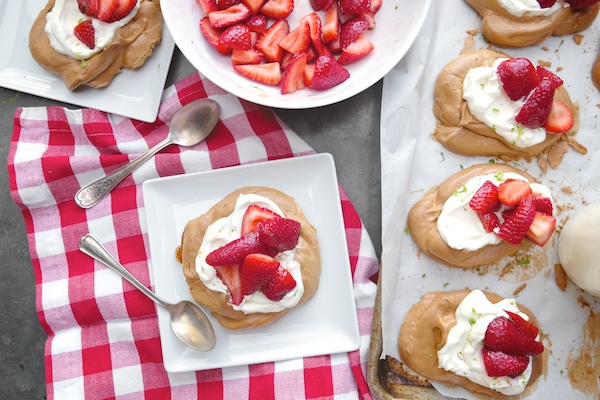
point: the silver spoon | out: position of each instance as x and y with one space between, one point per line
189 126
189 322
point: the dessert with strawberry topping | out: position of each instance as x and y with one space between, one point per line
482 214
88 42
251 258
478 340
520 23
488 104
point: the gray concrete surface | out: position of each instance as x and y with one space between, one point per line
349 130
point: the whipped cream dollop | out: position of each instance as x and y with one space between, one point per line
65 15
489 103
462 353
229 228
532 7
460 227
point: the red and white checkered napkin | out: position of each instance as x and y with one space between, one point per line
103 336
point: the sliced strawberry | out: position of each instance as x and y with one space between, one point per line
232 15
212 36
321 5
268 41
537 107
581 4
243 57
354 6
546 74
105 9
257 270
88 7
544 205
298 40
351 29
231 277
541 228
208 5
369 17
85 32
508 212
485 200
489 220
268 74
356 50
316 32
254 5
375 6
523 325
503 335
225 4
498 363
328 73
560 118
546 3
235 251
512 191
122 9
518 77
514 229
309 72
237 37
254 215
257 23
279 233
281 284
331 27
278 9
292 79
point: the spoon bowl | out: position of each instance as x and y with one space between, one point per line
189 322
189 126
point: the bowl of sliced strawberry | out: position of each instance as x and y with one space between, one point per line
294 54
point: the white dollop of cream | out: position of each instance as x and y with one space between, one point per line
578 248
229 228
63 18
488 102
462 353
460 227
519 7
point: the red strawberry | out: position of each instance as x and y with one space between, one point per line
321 5
257 270
88 7
268 74
212 36
485 200
254 5
498 363
490 221
292 80
354 6
254 215
514 229
508 212
523 325
351 29
106 8
208 5
375 6
580 4
560 118
232 15
541 228
518 77
278 9
546 74
122 9
328 73
512 191
279 233
237 37
309 72
356 50
503 335
268 41
85 32
331 27
257 23
298 40
316 33
544 205
537 107
225 4
235 251
281 284
546 3
230 276
242 57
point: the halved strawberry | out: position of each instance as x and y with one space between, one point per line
225 4
208 5
292 78
232 15
490 221
514 229
309 73
512 191
503 335
328 73
85 32
254 5
212 36
231 277
375 6
331 27
369 17
518 77
536 108
105 9
237 37
541 228
508 212
88 7
498 363
235 251
523 325
544 205
281 284
278 9
242 57
351 29
485 200
321 5
254 215
316 33
560 118
298 40
354 6
546 74
122 9
356 50
268 74
257 23
268 41
279 233
581 4
257 270
546 3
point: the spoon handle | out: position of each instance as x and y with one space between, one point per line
93 248
88 196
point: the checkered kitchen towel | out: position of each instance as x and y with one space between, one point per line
104 341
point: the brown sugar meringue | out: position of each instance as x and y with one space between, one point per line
460 132
306 254
130 47
504 29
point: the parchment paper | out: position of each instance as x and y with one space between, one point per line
412 162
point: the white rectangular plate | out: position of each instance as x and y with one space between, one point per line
134 94
326 324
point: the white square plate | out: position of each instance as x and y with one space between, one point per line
134 94
325 324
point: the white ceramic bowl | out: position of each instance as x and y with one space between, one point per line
398 23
